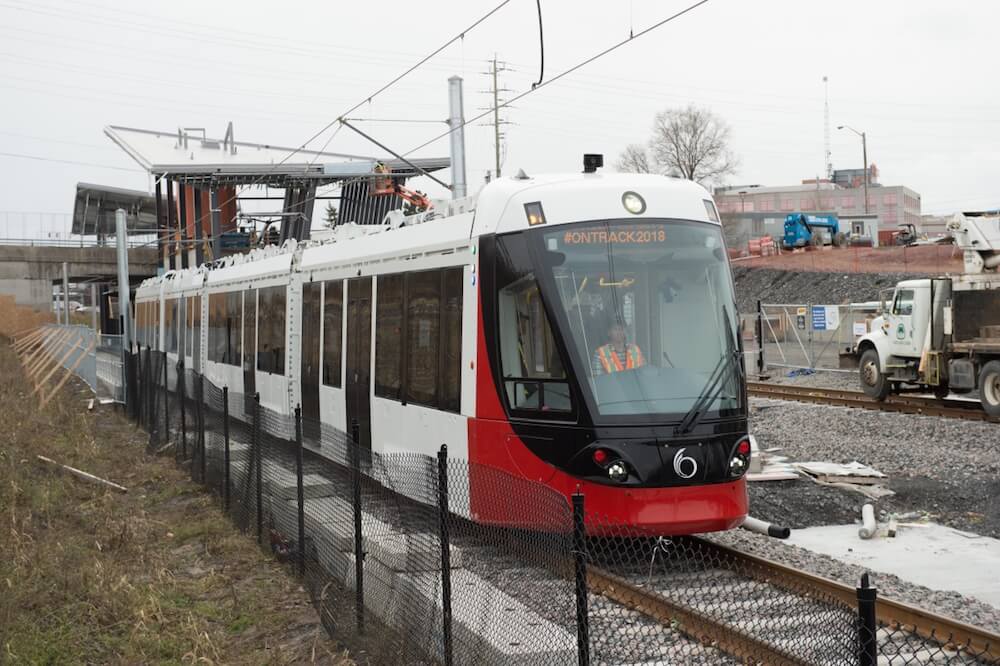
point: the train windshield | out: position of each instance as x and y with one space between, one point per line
647 313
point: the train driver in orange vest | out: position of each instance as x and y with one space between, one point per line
618 354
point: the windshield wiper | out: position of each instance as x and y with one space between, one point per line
713 387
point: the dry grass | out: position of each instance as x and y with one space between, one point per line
157 575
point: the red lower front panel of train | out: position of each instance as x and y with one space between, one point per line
511 485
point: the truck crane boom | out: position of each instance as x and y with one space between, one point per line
978 236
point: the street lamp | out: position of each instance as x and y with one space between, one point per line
864 156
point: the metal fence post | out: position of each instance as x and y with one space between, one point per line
759 332
580 572
225 438
258 459
201 425
300 493
182 381
867 626
166 403
445 551
359 571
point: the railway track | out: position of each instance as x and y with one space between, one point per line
908 404
910 634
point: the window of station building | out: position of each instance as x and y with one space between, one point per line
418 349
333 318
271 330
389 336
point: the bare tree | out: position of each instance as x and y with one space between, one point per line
634 159
692 143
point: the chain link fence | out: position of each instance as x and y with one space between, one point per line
411 559
807 335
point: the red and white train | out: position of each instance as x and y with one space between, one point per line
579 331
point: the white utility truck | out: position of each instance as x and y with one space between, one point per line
942 334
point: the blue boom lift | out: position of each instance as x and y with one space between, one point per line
815 230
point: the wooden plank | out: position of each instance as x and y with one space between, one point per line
32 341
23 338
42 351
65 377
86 476
48 356
59 364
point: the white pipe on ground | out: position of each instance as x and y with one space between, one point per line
868 524
767 529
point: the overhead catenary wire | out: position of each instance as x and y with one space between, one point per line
368 98
566 72
529 91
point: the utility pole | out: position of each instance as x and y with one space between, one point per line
497 66
864 154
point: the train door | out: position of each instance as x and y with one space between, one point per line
249 342
358 388
310 356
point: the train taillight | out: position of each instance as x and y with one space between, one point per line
600 457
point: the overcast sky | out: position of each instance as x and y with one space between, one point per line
918 77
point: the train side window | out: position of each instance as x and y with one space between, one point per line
234 323
451 341
216 330
533 370
903 303
333 318
388 336
271 330
196 330
423 328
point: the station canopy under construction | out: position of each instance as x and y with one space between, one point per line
201 180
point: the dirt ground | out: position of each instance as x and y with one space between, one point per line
155 575
923 260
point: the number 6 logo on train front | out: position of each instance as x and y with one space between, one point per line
685 466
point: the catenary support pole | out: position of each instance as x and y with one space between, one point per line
580 574
456 123
359 569
300 492
445 552
225 438
124 294
65 292
867 626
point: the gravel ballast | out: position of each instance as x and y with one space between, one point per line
776 286
949 604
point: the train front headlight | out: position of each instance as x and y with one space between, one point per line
617 471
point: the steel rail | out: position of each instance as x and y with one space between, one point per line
692 623
955 409
948 632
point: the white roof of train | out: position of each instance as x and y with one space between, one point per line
498 208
